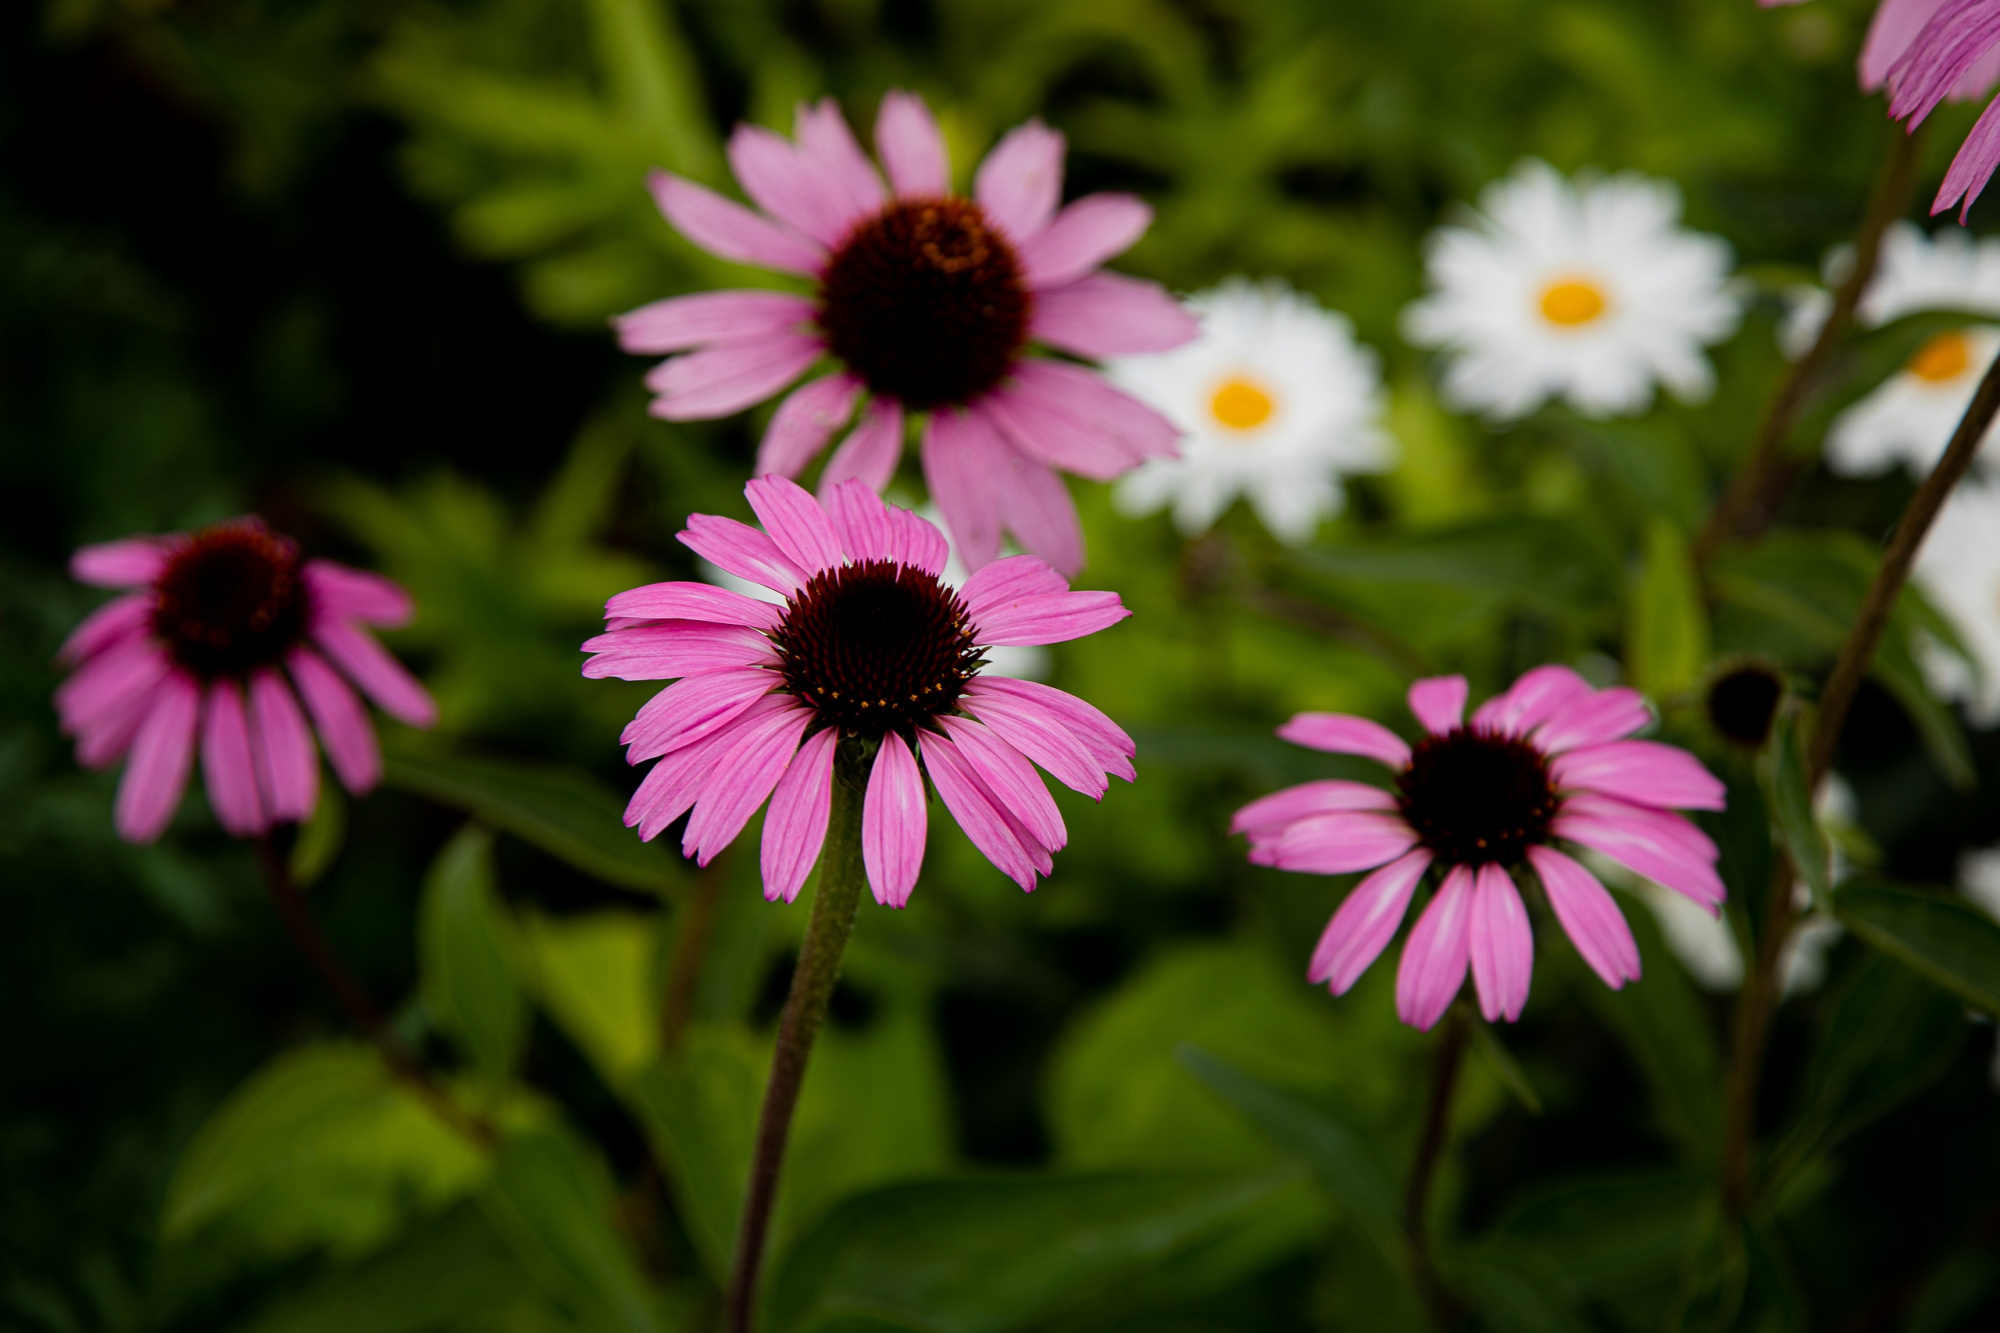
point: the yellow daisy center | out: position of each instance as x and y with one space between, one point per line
1572 302
1241 404
1942 359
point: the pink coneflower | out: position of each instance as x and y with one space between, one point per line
218 631
1895 25
1949 51
1545 763
871 656
928 302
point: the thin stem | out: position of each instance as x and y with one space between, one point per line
690 950
296 913
1752 499
841 877
1446 1061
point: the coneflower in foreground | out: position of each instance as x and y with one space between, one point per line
219 637
1473 804
872 654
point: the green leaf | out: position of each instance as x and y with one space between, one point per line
1945 938
699 1108
1506 1068
1666 645
469 983
1614 1234
1541 561
596 976
564 811
988 1255
320 837
1792 807
1516 1288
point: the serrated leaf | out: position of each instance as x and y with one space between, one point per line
1945 938
469 983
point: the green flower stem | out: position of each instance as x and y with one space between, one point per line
841 879
1446 1061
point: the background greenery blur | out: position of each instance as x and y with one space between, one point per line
348 263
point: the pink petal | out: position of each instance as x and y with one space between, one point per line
1436 955
1010 778
790 185
893 823
999 838
119 618
717 381
1643 772
380 676
1366 922
1037 509
344 728
1109 314
353 594
1662 847
110 734
121 564
105 685
683 322
1890 32
1042 737
822 132
963 457
1439 703
742 550
796 523
287 764
804 422
1942 53
1020 182
1502 946
162 752
729 230
683 776
871 452
1324 797
1006 581
675 648
1973 166
1107 742
919 543
1051 618
1343 733
1339 843
1084 235
691 708
910 146
693 601
743 775
866 527
226 766
1042 428
1588 916
1593 719
1530 700
795 825
1085 395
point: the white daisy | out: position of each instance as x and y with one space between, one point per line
1958 568
1277 402
1589 291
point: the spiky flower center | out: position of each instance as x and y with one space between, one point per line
925 302
1476 796
231 600
876 647
1743 703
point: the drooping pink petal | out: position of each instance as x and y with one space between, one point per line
683 776
101 687
344 728
1436 955
911 147
1041 737
1973 166
1502 946
1042 428
126 563
675 648
790 184
893 823
870 453
1643 772
1050 618
1000 838
1020 182
1038 510
1323 797
691 708
1338 843
1944 50
1083 235
1366 922
704 319
822 132
1530 700
744 772
796 523
227 768
354 594
804 422
119 618
162 752
717 381
1607 715
1085 395
1010 778
693 601
1588 916
963 460
729 230
865 525
1890 32
1439 703
380 676
1661 846
1007 581
1107 742
111 733
795 825
287 764
1343 733
742 550
1109 314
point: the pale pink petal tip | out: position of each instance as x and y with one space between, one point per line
1439 703
1436 956
1502 946
1342 733
1366 922
893 823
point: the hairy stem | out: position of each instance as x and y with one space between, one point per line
841 878
1751 501
1446 1061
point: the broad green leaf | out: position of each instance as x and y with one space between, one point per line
699 1107
596 975
988 1255
469 982
563 811
1540 561
320 837
323 1146
1666 644
1945 938
1792 806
